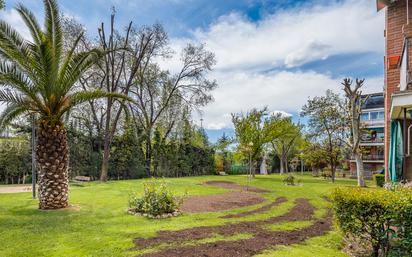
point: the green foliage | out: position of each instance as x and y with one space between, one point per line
250 132
327 123
379 179
289 180
223 158
238 169
39 76
126 160
382 218
15 160
188 153
157 199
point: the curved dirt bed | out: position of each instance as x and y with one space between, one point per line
262 209
240 196
220 202
234 186
261 240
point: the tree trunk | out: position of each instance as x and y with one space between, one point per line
285 162
105 162
359 170
281 166
149 156
53 163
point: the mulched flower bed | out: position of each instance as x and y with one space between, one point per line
261 240
262 209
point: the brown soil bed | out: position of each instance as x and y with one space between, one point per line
220 202
231 185
262 239
262 209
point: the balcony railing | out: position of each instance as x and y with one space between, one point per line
372 141
373 123
373 157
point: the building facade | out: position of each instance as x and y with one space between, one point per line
398 88
372 136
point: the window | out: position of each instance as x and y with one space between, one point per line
381 115
374 115
365 116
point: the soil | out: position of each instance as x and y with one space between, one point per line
220 202
261 240
240 196
262 209
231 185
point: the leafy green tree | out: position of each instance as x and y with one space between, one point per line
286 137
222 146
252 133
327 125
38 77
313 155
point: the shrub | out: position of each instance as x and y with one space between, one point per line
157 201
380 217
379 179
290 180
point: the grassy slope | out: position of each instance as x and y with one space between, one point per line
100 227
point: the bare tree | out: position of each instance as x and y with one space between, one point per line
355 101
158 94
126 56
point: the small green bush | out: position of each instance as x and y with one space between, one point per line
290 180
382 218
157 201
379 179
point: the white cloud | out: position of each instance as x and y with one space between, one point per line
294 36
245 50
13 18
283 91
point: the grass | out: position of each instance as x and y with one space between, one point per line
99 225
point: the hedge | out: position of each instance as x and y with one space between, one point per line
379 179
383 218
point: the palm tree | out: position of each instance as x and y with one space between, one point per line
38 77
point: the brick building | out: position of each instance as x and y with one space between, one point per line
372 137
398 87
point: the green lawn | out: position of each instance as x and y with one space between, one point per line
99 225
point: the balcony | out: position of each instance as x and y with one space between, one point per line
373 123
373 118
371 158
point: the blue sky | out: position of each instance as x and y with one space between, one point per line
273 53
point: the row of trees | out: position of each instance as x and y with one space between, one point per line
108 99
259 133
332 133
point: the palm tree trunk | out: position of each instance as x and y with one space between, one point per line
53 162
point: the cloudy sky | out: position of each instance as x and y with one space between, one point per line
273 53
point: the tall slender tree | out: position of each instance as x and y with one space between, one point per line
355 101
38 77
